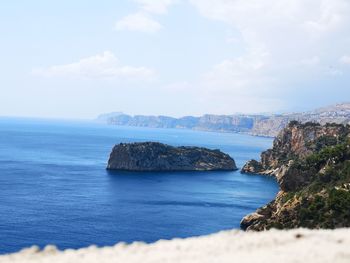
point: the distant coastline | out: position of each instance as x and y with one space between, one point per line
256 125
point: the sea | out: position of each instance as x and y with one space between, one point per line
55 189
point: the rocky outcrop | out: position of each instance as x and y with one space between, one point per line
154 156
253 167
260 125
311 163
296 141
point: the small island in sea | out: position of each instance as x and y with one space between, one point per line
155 156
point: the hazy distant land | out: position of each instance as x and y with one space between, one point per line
260 125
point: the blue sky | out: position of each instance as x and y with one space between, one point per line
77 59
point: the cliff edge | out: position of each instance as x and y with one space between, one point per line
311 163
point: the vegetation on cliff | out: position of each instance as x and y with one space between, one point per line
312 165
325 201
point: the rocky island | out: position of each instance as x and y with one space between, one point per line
154 156
312 165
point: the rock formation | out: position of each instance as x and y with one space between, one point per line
153 156
312 165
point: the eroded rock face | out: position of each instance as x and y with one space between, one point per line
253 167
153 156
296 141
310 163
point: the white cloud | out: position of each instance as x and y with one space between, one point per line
281 25
182 86
310 61
345 60
237 75
143 20
104 65
278 36
155 6
235 85
232 40
242 80
334 72
138 22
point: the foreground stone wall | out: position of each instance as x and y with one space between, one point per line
273 246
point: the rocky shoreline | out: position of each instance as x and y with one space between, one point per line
311 163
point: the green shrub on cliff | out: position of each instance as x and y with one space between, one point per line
330 210
324 201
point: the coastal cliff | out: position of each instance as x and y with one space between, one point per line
311 163
154 156
259 124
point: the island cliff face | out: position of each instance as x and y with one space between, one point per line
312 165
153 156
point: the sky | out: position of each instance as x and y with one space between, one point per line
78 59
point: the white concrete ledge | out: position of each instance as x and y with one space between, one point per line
304 246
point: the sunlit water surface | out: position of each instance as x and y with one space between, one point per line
54 188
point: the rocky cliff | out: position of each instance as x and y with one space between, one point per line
312 165
153 156
260 125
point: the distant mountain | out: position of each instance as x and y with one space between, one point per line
259 125
106 116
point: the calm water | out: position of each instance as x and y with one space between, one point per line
54 188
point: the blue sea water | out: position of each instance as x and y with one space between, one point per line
54 188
